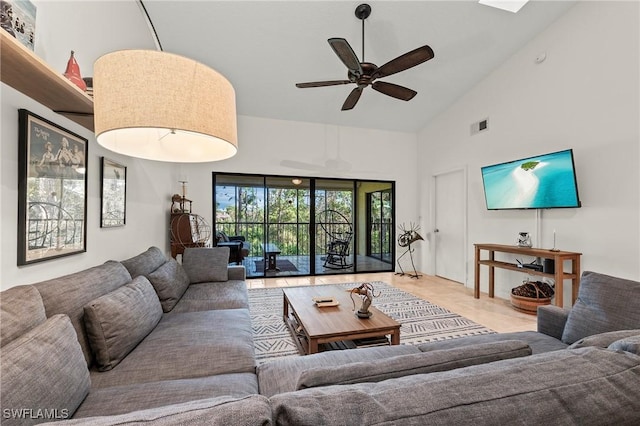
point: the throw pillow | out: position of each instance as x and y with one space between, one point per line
21 309
44 369
628 344
420 363
118 321
170 282
603 340
206 264
602 306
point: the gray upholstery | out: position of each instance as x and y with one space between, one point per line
118 321
237 273
559 387
145 262
603 305
70 293
538 342
58 384
603 340
419 363
206 264
213 295
170 282
552 320
629 344
21 310
188 345
141 396
252 410
280 376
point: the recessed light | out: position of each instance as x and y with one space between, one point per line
508 5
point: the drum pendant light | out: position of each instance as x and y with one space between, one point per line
164 107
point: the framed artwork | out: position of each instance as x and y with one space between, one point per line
52 190
114 194
19 20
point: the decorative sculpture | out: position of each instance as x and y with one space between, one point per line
366 291
405 239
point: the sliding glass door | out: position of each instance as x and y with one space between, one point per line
306 226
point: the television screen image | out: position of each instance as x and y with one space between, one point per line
543 182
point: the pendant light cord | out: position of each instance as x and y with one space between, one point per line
154 33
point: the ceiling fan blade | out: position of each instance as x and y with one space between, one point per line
322 83
406 61
390 89
352 99
346 54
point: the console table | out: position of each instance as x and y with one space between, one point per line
559 275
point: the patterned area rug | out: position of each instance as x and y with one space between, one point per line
422 321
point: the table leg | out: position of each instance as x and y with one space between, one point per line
313 346
559 277
395 337
476 274
492 273
575 283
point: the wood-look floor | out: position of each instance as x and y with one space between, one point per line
496 314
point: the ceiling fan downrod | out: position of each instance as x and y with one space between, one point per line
362 12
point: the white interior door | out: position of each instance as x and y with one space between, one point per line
450 225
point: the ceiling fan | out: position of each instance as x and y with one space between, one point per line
364 73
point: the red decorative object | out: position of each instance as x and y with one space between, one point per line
73 73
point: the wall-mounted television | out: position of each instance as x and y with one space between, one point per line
546 181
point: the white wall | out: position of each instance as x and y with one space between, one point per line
584 96
263 144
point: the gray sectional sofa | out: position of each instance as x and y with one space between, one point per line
149 340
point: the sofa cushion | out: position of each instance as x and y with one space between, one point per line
116 400
188 345
145 262
586 386
253 410
68 295
118 321
170 282
538 342
603 340
628 344
419 363
43 369
230 294
282 375
206 264
602 305
21 310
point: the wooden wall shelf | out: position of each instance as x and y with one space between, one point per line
559 275
30 75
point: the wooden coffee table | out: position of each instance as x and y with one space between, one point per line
312 326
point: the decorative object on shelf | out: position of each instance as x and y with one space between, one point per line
531 294
408 237
73 73
114 194
52 190
187 229
164 107
554 242
524 240
18 18
89 82
366 292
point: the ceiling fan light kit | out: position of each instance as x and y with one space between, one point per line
364 74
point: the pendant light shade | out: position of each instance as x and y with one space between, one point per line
164 107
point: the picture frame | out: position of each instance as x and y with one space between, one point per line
19 20
52 190
113 206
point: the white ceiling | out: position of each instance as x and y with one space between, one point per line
265 47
